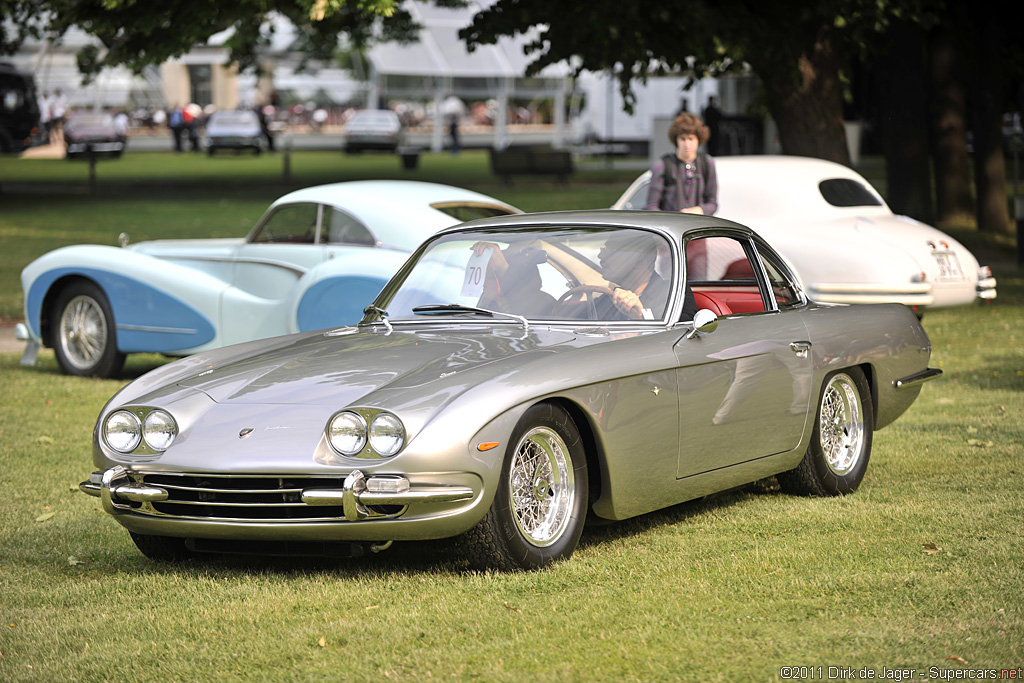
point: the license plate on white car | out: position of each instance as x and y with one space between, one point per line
949 265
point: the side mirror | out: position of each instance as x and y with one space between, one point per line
703 321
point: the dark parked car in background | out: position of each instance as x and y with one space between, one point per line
93 134
234 130
19 109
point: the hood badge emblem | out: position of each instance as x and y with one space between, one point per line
245 432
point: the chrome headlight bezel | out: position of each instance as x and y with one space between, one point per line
386 434
371 433
348 425
159 429
125 421
152 430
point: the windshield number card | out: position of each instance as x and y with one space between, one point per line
476 269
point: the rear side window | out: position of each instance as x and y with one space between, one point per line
846 192
341 228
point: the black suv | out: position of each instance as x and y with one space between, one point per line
19 109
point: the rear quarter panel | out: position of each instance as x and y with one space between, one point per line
885 339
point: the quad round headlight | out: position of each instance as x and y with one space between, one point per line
387 435
347 433
122 431
159 430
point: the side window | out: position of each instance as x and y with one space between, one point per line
289 224
721 276
341 228
639 198
784 290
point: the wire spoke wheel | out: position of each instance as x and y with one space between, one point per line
542 486
842 425
83 332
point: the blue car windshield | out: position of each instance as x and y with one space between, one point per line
608 275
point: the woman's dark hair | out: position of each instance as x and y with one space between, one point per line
688 124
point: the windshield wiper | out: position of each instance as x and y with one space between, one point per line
459 308
382 314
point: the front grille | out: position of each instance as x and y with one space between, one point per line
256 498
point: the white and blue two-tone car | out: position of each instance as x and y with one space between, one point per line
313 261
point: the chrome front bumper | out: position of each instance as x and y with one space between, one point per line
357 494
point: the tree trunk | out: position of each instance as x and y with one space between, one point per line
949 131
906 140
987 99
808 110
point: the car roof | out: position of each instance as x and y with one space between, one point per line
397 212
676 224
751 188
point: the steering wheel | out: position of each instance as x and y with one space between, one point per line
580 290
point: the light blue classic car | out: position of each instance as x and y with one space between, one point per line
313 261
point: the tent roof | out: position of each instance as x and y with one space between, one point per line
440 51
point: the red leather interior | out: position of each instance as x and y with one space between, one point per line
713 304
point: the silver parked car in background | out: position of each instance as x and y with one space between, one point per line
373 129
518 374
238 130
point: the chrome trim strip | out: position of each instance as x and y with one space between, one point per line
917 378
150 328
440 494
298 270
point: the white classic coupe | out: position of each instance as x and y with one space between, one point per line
314 260
845 243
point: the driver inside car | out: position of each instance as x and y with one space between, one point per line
638 291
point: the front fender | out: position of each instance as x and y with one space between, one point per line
158 306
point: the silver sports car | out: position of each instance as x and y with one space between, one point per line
518 374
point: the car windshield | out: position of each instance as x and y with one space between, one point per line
543 274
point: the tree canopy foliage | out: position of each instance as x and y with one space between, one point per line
136 34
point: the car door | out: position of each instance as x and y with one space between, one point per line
744 389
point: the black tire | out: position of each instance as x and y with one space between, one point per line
162 548
82 332
541 503
837 457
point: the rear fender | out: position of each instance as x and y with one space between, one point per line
335 292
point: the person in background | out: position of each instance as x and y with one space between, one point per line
713 120
684 181
176 122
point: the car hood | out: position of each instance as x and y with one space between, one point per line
344 367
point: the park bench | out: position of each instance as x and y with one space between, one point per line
528 160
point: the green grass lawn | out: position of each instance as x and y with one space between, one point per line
921 568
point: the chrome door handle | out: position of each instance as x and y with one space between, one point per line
800 348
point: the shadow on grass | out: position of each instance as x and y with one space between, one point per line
437 557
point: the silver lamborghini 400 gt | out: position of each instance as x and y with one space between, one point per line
518 374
